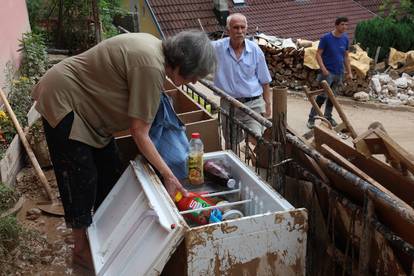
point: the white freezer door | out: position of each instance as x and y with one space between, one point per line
137 228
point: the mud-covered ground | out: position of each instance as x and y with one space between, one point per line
46 244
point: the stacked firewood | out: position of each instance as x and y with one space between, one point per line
358 83
286 67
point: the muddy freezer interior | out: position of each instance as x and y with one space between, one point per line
138 228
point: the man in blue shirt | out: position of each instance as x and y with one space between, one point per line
332 55
243 74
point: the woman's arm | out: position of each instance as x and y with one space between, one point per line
139 131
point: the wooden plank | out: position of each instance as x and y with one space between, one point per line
402 187
327 151
369 143
308 160
399 222
338 108
396 151
311 98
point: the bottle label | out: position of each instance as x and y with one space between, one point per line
195 168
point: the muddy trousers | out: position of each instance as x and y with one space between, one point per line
84 174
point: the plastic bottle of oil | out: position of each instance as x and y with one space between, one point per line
195 160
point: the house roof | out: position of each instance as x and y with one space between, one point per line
374 5
307 19
177 15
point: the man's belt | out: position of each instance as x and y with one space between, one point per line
248 99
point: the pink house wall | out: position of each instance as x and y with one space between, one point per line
14 21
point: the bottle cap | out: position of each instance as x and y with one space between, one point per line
232 214
178 196
231 183
195 135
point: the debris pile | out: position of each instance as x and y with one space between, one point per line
361 70
392 89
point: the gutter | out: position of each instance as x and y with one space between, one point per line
365 8
155 19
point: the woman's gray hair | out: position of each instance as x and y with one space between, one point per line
192 52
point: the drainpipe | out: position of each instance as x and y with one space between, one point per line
155 19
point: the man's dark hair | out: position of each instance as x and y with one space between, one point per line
341 19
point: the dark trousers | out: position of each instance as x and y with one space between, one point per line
84 174
334 82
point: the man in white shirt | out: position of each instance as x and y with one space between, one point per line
243 74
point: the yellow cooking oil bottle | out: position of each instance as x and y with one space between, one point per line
195 160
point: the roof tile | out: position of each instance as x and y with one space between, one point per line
307 19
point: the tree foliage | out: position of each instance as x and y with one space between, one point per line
395 29
69 24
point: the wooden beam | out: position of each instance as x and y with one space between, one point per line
338 108
333 155
396 151
311 97
388 177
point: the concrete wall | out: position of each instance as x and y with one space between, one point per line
14 21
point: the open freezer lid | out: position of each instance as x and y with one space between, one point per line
137 228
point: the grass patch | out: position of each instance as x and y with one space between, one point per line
21 249
8 197
10 231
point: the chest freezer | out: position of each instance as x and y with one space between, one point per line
139 231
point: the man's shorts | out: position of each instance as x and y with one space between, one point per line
239 135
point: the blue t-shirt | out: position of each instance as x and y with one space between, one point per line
333 54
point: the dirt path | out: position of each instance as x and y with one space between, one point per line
54 252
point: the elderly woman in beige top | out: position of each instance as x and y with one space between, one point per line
113 86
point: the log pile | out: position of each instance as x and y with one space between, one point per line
286 66
359 83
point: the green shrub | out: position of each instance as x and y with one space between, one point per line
37 11
20 98
77 32
35 62
8 197
108 9
10 231
385 32
7 133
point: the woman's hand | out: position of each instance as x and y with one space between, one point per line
172 185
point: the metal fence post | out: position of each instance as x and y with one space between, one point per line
365 243
279 123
